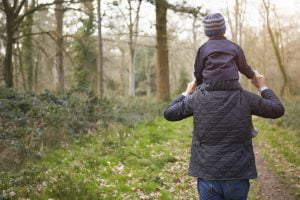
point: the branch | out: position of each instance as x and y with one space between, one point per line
20 7
31 34
44 6
183 9
6 6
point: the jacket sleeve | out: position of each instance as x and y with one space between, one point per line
179 109
242 64
267 106
198 67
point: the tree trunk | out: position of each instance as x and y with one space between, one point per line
16 71
36 71
100 51
133 30
148 73
21 67
276 47
27 50
132 53
8 67
162 59
59 57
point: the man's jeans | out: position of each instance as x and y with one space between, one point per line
223 190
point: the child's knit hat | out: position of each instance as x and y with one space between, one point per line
214 24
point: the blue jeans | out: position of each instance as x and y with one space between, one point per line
223 190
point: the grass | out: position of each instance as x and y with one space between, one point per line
149 161
280 147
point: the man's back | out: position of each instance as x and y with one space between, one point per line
222 146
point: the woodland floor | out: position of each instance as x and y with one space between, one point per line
149 161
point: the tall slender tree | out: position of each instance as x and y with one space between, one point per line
133 31
27 47
84 50
277 47
100 52
162 55
58 70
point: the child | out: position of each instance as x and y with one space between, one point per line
219 60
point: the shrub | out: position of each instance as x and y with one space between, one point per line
32 123
291 116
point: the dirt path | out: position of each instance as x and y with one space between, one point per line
270 187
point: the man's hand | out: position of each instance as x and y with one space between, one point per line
191 87
258 81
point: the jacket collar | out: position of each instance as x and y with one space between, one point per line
218 37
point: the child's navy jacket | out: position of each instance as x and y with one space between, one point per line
220 59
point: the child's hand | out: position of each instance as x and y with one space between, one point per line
258 80
191 87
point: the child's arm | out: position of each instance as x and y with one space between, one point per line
242 64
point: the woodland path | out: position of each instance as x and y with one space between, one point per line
270 185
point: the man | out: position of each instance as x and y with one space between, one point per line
222 156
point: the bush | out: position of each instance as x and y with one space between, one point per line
291 116
32 123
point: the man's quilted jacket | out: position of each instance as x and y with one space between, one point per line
221 145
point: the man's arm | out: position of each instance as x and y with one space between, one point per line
179 109
268 105
242 64
182 106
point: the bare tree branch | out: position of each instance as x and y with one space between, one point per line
32 34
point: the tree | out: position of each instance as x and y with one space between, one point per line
133 29
26 47
58 70
14 17
236 25
277 47
162 60
84 50
162 57
100 51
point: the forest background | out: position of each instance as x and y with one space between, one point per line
75 69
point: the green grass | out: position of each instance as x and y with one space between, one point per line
280 147
149 161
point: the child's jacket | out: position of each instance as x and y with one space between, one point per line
220 59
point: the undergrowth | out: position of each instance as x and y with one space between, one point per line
280 147
32 124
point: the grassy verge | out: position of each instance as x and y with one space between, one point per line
280 147
147 162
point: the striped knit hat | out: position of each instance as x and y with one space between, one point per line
214 24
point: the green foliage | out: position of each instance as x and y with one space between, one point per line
151 163
280 147
292 115
33 123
